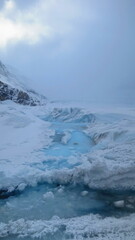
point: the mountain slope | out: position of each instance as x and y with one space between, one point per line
12 89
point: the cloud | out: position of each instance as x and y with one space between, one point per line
45 19
17 25
9 5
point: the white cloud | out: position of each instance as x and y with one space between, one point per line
17 25
9 5
45 19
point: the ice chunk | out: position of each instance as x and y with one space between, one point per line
61 190
130 206
48 195
119 204
84 193
56 218
22 186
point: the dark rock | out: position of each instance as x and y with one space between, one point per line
21 95
18 96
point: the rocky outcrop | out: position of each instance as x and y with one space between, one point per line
18 95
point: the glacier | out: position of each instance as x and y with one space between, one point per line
66 169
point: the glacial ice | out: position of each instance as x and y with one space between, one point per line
63 168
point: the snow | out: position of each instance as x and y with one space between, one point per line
22 137
106 159
86 227
61 146
13 87
48 195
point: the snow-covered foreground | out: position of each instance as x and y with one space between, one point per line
66 172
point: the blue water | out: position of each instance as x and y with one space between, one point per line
78 143
66 202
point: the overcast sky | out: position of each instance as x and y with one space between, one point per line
72 49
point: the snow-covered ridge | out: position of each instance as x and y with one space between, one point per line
12 89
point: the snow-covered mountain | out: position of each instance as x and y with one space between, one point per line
12 89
